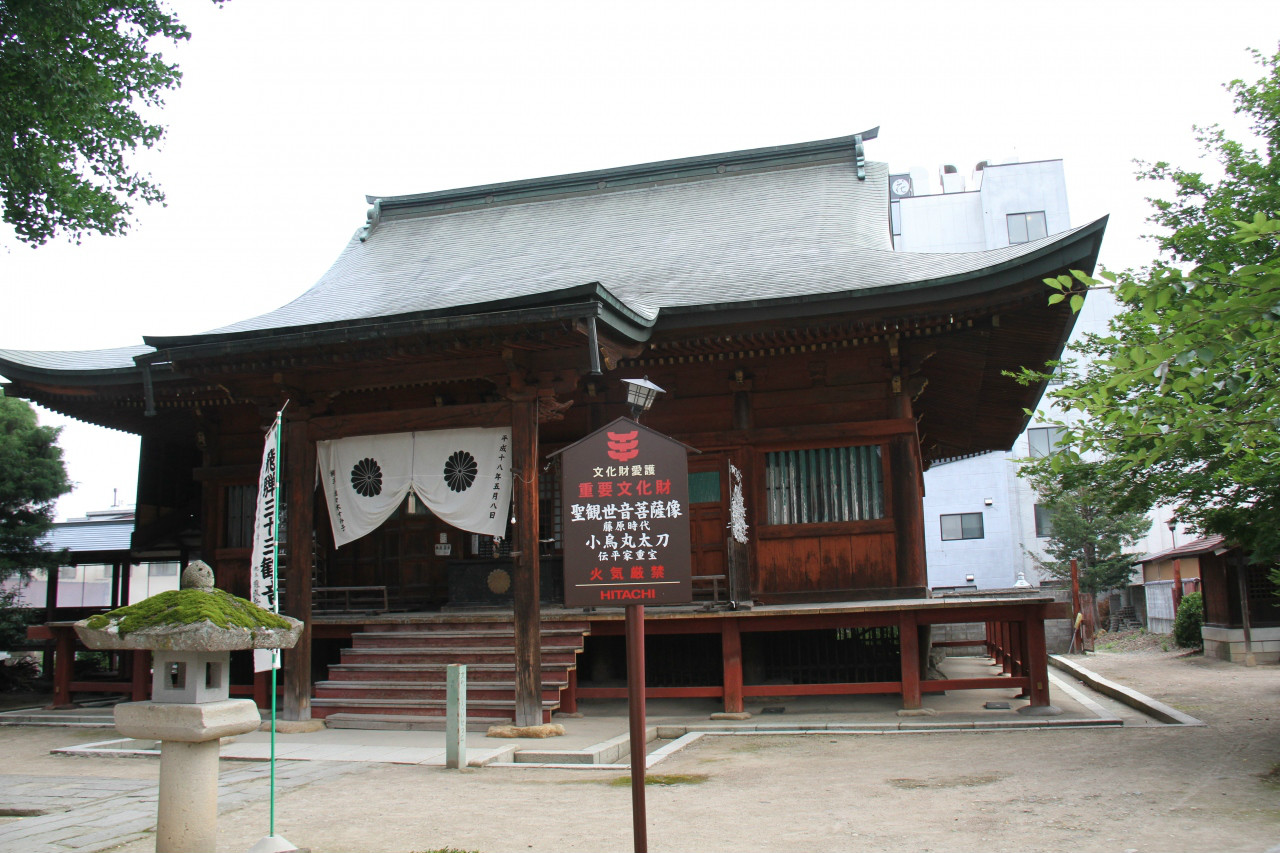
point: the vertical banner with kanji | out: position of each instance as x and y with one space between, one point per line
626 526
262 568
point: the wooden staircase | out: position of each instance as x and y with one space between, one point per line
393 676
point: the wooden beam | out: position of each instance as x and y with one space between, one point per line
227 473
850 431
408 420
300 477
523 416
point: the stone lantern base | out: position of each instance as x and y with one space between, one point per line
187 819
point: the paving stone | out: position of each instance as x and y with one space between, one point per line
104 840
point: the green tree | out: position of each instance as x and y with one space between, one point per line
1086 525
32 477
77 81
1196 224
1180 400
1188 621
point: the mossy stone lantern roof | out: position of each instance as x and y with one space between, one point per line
198 618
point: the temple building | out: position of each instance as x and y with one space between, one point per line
462 337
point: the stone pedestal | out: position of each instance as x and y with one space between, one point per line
187 819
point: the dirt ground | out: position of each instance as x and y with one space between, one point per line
1212 788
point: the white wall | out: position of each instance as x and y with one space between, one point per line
90 585
942 223
1023 188
972 221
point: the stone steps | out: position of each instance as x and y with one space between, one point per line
434 673
428 691
398 671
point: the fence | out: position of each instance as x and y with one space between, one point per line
1159 606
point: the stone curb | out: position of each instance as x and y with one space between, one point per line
1132 698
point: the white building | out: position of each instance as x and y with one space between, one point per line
99 546
982 524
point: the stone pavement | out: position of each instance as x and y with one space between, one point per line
85 814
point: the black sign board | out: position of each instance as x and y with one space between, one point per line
625 490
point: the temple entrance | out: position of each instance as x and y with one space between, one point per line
409 555
708 525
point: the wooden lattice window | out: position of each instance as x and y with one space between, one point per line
824 484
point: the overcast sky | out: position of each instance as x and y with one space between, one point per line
292 110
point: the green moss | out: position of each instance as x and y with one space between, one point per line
189 607
659 779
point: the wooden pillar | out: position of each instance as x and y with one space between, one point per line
908 502
569 696
1242 582
1006 657
300 477
526 586
1022 668
1177 586
139 675
909 651
126 582
115 584
51 594
64 665
49 657
731 652
1037 652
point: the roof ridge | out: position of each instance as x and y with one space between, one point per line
618 177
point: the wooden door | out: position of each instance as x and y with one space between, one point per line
708 520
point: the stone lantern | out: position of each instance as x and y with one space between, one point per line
191 633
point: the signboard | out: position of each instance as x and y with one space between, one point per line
626 524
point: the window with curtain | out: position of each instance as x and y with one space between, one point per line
824 484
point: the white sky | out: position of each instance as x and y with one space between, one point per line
292 110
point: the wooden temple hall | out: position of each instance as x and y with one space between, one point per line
817 372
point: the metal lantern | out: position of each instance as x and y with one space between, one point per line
640 395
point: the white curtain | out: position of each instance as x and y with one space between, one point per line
462 475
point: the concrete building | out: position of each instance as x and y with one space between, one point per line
102 571
982 523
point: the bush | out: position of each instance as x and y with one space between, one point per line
14 620
1186 625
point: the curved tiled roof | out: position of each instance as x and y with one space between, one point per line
777 235
119 358
760 229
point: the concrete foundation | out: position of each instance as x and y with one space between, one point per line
1228 644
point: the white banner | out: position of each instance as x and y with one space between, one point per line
262 566
461 475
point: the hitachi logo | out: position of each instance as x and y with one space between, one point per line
627 594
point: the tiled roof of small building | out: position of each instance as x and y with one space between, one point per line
1203 545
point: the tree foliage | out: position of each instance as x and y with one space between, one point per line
1181 400
77 79
1086 525
32 477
